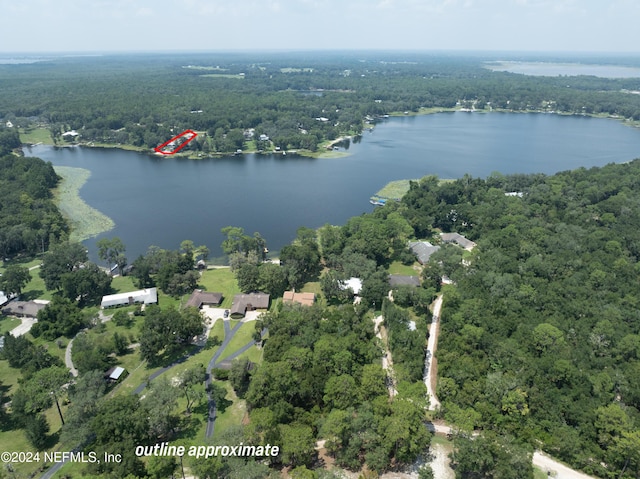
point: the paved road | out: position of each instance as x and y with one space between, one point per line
228 335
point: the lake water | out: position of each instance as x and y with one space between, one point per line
569 69
162 201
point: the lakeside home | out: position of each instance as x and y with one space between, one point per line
143 296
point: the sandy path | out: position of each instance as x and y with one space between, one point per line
429 379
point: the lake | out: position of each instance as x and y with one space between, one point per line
162 201
565 69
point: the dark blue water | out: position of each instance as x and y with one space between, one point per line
162 201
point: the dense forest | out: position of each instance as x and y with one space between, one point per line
540 337
296 101
29 220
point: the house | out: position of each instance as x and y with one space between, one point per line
423 250
72 134
201 298
142 296
402 280
305 299
264 137
248 302
458 239
23 309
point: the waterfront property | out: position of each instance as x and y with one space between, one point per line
142 296
248 302
201 298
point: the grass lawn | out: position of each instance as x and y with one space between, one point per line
35 135
122 284
35 288
240 339
26 262
398 268
7 324
220 280
253 354
313 287
232 416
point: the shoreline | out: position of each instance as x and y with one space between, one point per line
85 221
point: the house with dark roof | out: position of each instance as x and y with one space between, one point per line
423 250
201 298
248 302
458 239
305 299
23 309
402 280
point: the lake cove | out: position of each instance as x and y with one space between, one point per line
162 201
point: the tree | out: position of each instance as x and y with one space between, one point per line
375 288
188 383
86 285
14 278
43 387
61 259
84 397
239 376
272 279
110 251
298 445
36 428
60 317
159 402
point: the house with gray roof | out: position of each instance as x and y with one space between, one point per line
458 239
23 309
423 250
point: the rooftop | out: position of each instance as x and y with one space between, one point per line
305 299
423 250
200 297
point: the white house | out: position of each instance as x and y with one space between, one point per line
142 296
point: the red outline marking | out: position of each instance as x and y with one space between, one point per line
159 149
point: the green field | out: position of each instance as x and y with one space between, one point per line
394 189
398 268
85 221
31 136
220 280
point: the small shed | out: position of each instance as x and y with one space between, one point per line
114 374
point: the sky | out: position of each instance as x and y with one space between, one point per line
254 25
